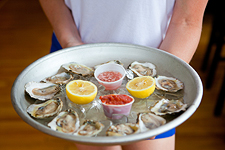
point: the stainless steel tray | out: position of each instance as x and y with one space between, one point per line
93 54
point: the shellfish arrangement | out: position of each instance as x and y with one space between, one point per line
52 108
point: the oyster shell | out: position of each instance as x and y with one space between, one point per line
112 61
46 109
122 129
143 69
61 78
41 91
78 69
89 128
148 121
165 106
169 84
66 121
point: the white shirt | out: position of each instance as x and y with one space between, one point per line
142 22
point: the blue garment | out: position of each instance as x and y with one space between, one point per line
166 134
56 46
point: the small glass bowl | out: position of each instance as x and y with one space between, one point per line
110 67
117 111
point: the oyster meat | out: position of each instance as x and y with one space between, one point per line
148 121
169 84
46 109
61 78
122 129
166 106
89 128
66 122
143 69
41 91
78 69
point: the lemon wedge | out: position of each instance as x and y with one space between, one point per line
141 87
81 92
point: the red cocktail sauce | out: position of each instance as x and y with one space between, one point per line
114 99
110 76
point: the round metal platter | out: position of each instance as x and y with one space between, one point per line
94 54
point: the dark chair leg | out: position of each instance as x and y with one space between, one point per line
220 100
215 62
209 48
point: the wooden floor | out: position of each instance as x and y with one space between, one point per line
25 36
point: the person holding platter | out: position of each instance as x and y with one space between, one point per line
170 25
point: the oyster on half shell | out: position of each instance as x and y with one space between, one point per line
112 62
61 78
169 84
89 128
67 122
122 129
143 69
46 109
148 121
78 69
41 90
165 106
